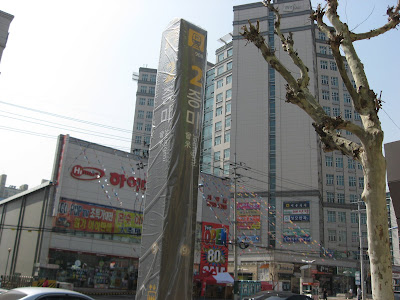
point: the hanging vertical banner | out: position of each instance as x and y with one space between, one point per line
214 250
166 262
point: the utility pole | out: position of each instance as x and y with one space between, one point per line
363 294
235 243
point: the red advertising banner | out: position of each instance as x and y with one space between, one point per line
248 219
90 217
214 250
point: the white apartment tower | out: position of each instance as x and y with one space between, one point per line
143 111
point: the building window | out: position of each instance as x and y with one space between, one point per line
342 216
218 126
354 218
322 49
229 52
228 94
226 169
150 102
325 79
336 111
228 122
342 237
217 156
359 166
217 140
334 81
221 57
327 110
149 114
346 98
220 83
347 114
340 198
147 127
146 140
348 132
354 237
330 197
138 139
143 89
352 181
153 77
229 79
324 64
335 96
142 101
339 162
353 198
357 116
329 179
328 161
139 126
220 70
229 66
152 89
340 180
325 94
145 77
331 235
219 98
361 182
331 216
363 219
351 164
218 111
353 83
227 153
333 65
227 137
321 35
140 114
228 107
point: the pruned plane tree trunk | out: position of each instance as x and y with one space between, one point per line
368 151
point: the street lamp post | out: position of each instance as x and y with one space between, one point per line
8 257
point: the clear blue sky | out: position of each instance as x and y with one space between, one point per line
76 58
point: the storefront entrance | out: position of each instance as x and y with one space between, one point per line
91 270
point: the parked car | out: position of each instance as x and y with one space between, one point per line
42 293
272 295
3 291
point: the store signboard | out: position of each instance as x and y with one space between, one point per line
248 206
214 249
296 235
89 217
248 215
296 211
249 238
99 175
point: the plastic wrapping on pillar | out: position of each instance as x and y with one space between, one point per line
166 262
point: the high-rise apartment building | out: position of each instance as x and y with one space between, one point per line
143 112
5 21
297 204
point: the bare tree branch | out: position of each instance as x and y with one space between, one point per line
393 21
332 141
287 45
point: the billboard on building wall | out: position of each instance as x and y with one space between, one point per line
98 175
214 248
296 211
248 215
167 252
89 217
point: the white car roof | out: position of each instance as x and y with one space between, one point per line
43 290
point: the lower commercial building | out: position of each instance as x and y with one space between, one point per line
81 227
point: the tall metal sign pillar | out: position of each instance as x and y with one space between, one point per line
169 224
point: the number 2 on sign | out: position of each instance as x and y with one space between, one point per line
197 79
